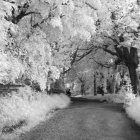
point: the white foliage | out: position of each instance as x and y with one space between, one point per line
55 73
56 22
6 7
38 60
133 110
127 92
77 17
82 24
10 68
5 25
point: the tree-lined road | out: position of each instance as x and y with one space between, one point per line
87 120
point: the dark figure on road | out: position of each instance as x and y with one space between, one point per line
68 93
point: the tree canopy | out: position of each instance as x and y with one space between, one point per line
42 38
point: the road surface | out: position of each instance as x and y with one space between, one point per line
87 120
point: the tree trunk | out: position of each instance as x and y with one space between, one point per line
133 77
132 64
95 93
82 89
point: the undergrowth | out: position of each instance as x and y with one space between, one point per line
20 111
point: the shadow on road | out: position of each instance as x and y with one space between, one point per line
79 99
79 102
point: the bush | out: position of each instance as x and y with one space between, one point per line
29 107
133 110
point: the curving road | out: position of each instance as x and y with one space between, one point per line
87 120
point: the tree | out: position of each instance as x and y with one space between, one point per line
11 68
35 32
63 29
125 37
118 32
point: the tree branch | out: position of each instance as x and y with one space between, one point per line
83 55
64 72
109 51
38 24
21 15
74 57
24 8
103 65
113 39
90 6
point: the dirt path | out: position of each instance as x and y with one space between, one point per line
87 120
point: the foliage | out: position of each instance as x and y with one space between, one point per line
133 110
118 33
43 35
37 59
129 96
10 68
31 30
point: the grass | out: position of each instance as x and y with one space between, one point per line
20 111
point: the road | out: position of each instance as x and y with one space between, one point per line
87 120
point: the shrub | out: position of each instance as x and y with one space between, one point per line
133 110
29 107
